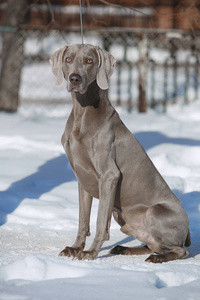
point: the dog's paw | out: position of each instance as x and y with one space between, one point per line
86 255
156 258
70 252
118 250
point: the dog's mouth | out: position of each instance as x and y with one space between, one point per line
76 88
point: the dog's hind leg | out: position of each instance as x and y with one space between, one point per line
131 250
177 253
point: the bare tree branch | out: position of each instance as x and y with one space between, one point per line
50 10
28 7
123 5
51 13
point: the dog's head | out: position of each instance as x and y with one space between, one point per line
80 65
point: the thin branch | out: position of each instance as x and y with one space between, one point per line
28 7
50 10
51 13
123 5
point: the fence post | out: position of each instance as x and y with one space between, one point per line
142 72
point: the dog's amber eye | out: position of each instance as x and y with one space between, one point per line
68 59
89 61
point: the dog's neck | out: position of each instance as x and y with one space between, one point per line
91 97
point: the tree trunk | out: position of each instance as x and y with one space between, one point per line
12 56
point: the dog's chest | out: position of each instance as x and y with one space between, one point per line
78 141
78 149
76 146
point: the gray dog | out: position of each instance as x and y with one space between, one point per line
112 166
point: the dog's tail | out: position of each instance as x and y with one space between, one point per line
188 240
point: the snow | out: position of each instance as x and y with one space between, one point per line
39 211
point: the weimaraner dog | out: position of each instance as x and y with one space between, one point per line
111 165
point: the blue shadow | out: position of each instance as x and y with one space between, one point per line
58 170
152 139
191 204
48 176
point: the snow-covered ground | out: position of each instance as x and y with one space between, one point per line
39 211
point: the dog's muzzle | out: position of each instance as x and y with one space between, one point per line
75 79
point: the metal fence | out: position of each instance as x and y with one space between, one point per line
160 67
170 62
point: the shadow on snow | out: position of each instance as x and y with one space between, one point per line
151 139
50 175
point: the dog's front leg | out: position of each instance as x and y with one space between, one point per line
85 203
108 187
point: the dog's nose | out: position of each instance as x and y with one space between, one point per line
75 79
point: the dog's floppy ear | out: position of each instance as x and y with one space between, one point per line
106 67
56 64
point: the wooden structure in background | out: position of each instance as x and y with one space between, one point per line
148 14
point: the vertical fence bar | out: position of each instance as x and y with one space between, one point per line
152 84
165 86
130 104
175 78
142 72
196 76
186 81
119 84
